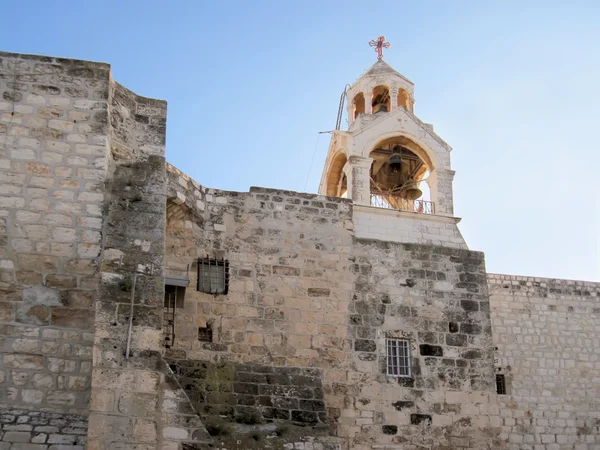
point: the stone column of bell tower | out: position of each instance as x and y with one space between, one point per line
357 172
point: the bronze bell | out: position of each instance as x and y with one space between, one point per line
395 162
411 191
380 107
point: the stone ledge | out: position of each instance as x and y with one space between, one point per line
57 60
499 278
405 214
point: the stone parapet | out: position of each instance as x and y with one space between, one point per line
408 227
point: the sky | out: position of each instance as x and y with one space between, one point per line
512 86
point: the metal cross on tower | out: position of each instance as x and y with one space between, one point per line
379 45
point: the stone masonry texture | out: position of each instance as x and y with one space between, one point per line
94 224
546 337
53 150
324 299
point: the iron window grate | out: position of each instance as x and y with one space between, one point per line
398 357
500 384
174 296
213 276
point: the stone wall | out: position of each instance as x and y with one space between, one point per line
82 221
293 355
136 402
411 228
29 430
254 394
546 335
287 297
436 298
53 124
305 294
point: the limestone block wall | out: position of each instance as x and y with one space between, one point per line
436 298
82 206
398 226
546 334
285 307
305 294
254 393
53 146
136 402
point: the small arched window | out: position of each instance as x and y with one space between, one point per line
381 101
359 104
403 99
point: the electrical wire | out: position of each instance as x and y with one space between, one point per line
312 161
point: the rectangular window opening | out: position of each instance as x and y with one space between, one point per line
500 384
213 276
174 296
398 358
205 334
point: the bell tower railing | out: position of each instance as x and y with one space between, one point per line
387 201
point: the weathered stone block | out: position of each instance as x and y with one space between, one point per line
38 263
365 345
73 318
7 312
61 398
304 417
137 405
41 381
470 328
175 433
286 271
456 340
32 396
23 362
16 436
58 365
318 292
25 346
33 314
145 430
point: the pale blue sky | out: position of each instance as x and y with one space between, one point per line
512 86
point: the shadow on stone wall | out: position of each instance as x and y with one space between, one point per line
263 406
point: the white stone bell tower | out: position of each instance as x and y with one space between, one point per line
393 166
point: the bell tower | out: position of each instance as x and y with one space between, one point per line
393 166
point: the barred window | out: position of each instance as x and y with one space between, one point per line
500 384
174 296
213 276
398 357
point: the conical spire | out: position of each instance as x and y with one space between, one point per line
381 67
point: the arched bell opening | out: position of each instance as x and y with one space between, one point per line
404 99
380 100
397 176
337 185
359 104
